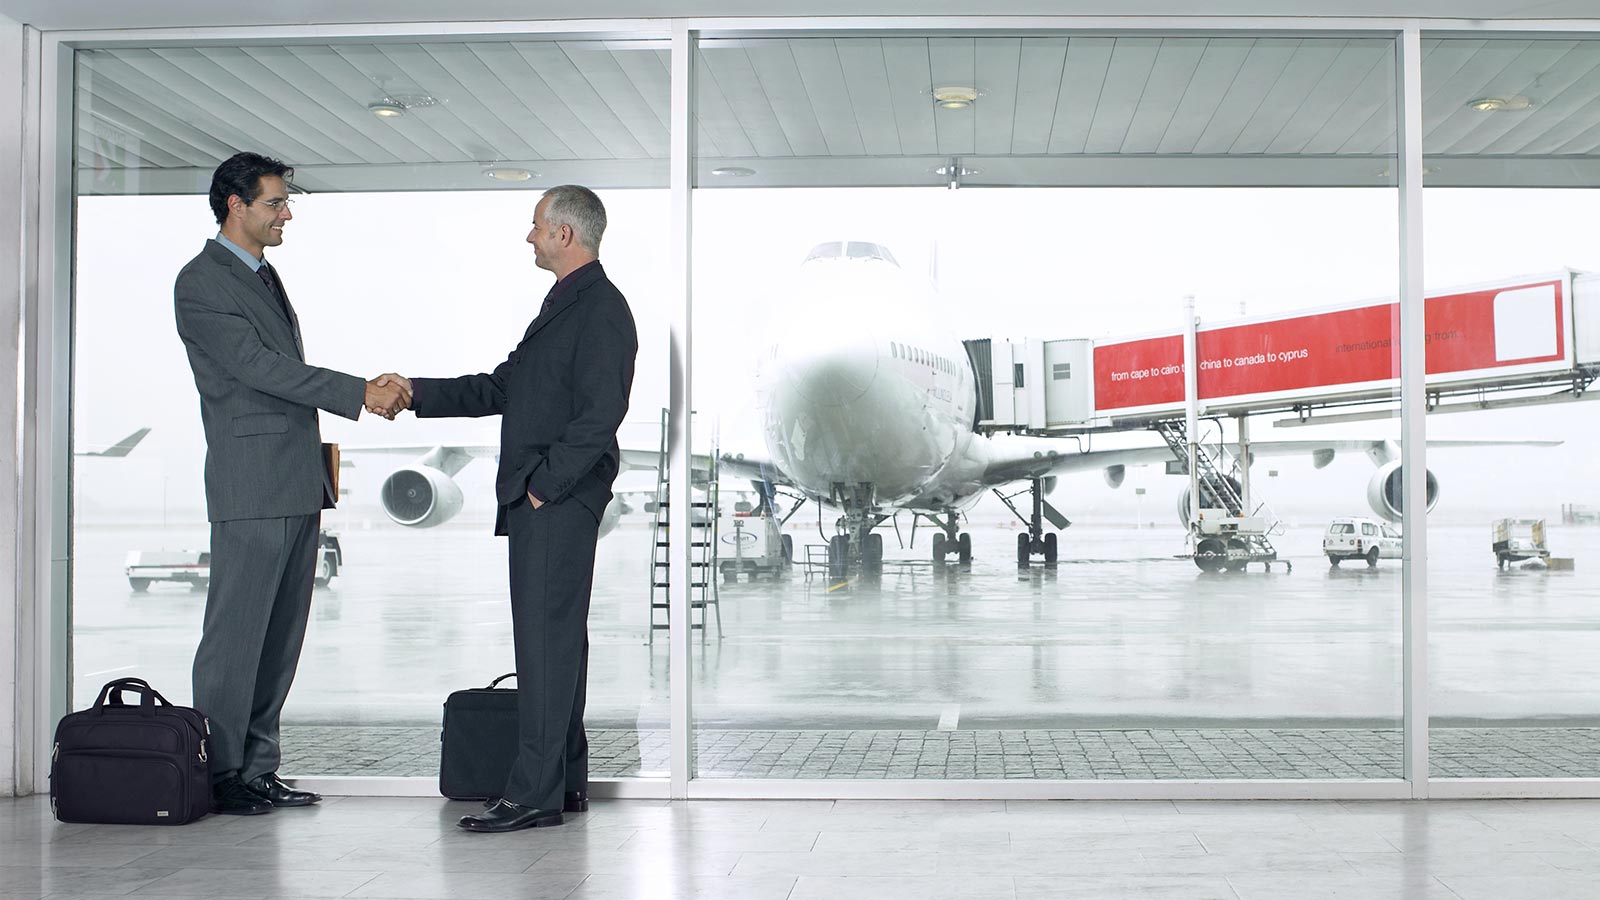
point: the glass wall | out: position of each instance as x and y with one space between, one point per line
945 524
1512 155
417 170
939 307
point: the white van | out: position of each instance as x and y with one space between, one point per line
1357 538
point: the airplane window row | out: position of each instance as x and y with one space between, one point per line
923 357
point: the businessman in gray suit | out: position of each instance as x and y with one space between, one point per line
266 481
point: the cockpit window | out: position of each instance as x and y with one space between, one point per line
852 250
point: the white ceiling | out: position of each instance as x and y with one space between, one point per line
82 14
846 111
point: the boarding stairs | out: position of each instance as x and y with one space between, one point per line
701 495
1242 536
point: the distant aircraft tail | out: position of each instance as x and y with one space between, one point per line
120 448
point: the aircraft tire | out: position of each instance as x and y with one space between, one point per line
1372 558
1333 561
964 548
939 548
1023 550
788 550
1050 549
872 555
838 557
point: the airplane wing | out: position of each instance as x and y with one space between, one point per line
120 448
1016 458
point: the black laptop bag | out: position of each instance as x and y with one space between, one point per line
478 742
131 764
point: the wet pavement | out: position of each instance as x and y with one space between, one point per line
1120 646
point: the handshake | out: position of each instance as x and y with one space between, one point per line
388 394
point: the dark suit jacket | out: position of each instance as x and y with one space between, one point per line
562 395
258 398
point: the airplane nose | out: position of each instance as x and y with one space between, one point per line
835 378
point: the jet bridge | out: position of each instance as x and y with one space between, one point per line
1534 339
1520 341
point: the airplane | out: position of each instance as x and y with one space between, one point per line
120 448
868 405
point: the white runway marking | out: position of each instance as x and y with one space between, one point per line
949 718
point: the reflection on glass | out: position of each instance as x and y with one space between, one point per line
1510 155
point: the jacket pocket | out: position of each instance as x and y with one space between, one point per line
260 423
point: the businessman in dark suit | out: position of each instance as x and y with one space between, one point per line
561 395
266 483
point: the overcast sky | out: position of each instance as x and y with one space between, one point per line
443 283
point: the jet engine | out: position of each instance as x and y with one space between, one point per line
1384 491
1209 499
420 496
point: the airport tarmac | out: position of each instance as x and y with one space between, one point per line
1120 637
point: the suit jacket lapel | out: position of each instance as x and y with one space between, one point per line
567 298
253 281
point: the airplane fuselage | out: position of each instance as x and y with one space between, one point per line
864 387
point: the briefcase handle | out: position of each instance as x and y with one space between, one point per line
149 697
500 679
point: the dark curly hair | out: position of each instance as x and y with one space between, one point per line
241 174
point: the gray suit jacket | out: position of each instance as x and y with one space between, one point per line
258 398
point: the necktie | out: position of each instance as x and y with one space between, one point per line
269 279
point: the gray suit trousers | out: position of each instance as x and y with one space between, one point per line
255 623
552 569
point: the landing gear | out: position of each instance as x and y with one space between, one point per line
950 540
1034 542
838 557
872 556
855 548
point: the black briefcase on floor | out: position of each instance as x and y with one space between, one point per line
478 742
131 764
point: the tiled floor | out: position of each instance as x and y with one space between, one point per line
1105 754
829 850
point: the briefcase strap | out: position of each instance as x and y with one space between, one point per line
500 679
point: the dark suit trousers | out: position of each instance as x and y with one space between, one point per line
552 569
255 623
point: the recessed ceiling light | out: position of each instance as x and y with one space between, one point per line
733 171
1500 104
393 106
953 97
507 173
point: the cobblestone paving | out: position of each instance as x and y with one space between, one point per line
1200 753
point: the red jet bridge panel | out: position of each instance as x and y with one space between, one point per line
1477 334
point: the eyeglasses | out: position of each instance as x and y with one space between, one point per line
276 205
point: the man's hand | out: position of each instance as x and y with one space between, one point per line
388 394
535 501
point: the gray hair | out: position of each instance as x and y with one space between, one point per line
577 206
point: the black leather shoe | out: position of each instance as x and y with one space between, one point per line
230 797
571 802
272 787
508 816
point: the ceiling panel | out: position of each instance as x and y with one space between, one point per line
866 76
786 93
1171 77
830 97
817 111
